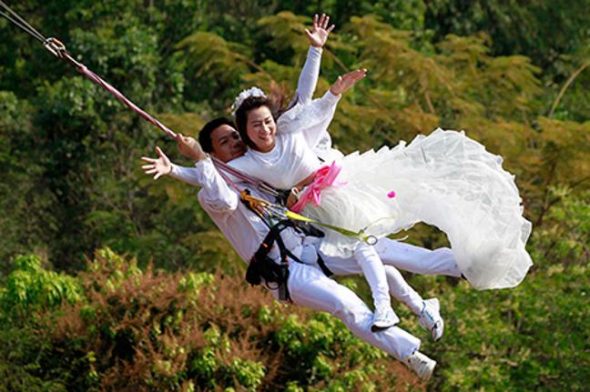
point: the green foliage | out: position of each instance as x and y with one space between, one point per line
211 55
526 338
564 238
513 74
30 288
515 26
126 328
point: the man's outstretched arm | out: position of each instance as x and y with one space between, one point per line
215 194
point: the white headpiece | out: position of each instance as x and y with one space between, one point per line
251 92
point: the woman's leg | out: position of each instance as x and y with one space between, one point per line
402 291
374 272
427 310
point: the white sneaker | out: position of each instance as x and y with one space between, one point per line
421 365
384 318
430 318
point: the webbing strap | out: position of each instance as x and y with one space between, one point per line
324 267
274 235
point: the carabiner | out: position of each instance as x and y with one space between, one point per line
55 46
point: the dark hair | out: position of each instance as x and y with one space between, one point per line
207 130
248 105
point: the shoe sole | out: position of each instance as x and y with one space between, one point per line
436 339
376 328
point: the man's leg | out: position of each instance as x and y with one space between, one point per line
404 256
418 260
309 287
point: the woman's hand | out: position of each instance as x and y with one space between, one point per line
346 81
320 31
159 167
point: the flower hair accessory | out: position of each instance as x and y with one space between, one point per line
251 92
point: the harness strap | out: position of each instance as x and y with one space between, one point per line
324 267
274 235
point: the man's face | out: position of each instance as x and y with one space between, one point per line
227 143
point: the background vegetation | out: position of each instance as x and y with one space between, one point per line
110 281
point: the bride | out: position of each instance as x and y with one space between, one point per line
444 179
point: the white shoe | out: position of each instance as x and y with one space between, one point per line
421 365
430 318
384 318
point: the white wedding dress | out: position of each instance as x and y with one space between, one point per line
443 179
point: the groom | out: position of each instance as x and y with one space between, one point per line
308 284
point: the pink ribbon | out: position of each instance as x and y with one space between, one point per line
323 178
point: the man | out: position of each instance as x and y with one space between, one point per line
307 284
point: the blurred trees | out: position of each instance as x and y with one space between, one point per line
77 148
514 75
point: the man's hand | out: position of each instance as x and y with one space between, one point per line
159 167
293 197
346 81
320 31
190 148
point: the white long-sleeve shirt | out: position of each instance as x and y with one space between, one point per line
243 228
308 80
293 157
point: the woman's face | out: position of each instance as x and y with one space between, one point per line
261 128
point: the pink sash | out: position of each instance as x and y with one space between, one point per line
323 178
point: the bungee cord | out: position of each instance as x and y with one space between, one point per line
20 22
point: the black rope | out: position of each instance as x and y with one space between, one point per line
20 22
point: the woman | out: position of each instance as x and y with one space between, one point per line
444 179
296 162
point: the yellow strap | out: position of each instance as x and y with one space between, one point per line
293 215
252 201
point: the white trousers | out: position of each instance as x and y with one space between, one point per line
309 287
395 254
